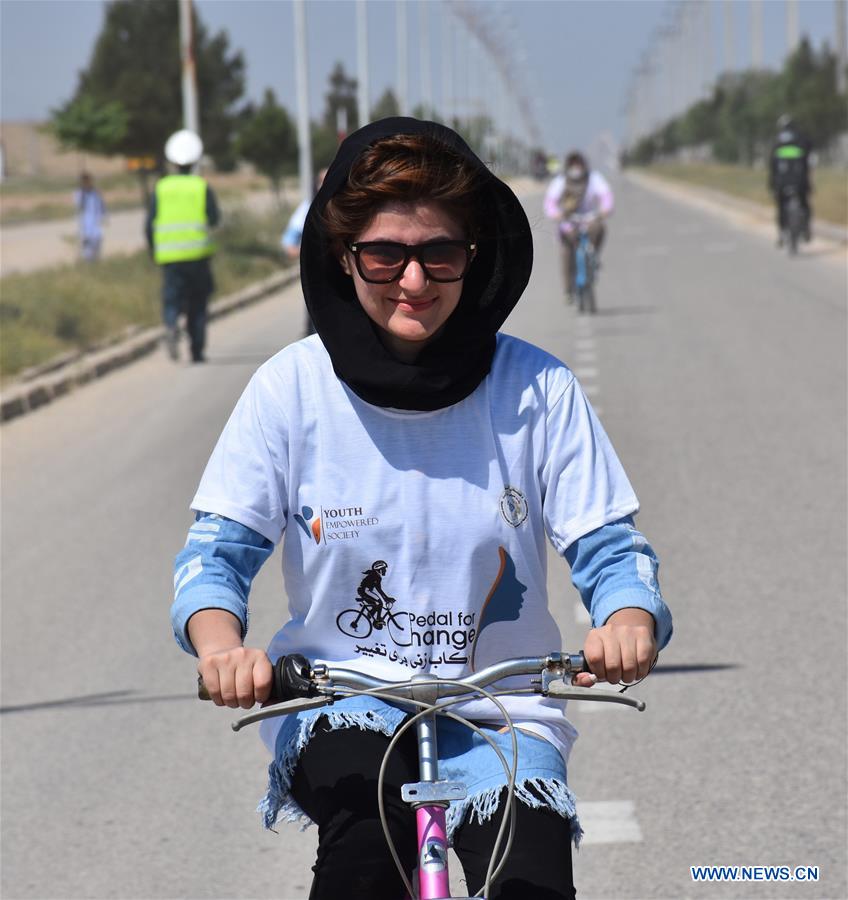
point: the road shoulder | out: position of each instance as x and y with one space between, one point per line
739 213
75 370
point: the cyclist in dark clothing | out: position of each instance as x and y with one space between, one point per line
789 171
370 591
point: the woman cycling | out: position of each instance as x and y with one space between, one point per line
411 431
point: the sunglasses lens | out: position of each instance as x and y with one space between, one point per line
381 262
444 262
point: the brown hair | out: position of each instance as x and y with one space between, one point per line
405 168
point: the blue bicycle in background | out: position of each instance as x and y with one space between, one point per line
585 264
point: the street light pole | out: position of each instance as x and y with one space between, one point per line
402 44
302 82
841 45
424 59
191 117
447 71
757 34
362 99
728 35
792 29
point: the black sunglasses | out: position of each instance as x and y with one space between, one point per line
381 262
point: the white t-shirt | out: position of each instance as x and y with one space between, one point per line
456 504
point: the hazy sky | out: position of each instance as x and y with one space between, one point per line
578 55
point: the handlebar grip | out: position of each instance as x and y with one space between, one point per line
290 680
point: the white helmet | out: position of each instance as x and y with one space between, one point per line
184 148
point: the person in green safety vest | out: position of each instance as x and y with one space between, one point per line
789 170
182 213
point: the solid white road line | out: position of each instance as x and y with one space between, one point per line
609 822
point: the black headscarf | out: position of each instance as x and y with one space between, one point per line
450 367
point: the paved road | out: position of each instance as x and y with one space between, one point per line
719 368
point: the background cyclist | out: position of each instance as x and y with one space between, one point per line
789 169
582 191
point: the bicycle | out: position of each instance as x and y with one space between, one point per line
585 264
795 219
299 685
359 623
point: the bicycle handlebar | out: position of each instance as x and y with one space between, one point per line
299 685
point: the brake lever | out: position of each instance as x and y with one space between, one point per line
559 690
281 709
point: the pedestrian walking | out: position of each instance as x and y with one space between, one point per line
91 211
293 235
181 214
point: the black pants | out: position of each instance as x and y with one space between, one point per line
186 288
335 783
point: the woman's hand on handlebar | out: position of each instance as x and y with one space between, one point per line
233 675
621 650
237 676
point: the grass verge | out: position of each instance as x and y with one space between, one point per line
70 308
830 185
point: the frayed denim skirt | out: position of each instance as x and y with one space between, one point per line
463 756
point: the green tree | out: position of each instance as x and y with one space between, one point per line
136 63
341 107
268 140
809 94
340 117
325 143
386 106
425 112
88 126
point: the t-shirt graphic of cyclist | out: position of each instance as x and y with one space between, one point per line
371 593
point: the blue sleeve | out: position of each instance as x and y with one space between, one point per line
613 568
215 570
292 237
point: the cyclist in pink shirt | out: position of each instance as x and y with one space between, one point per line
578 191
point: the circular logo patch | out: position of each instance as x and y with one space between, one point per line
513 506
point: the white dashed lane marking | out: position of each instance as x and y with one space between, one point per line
609 822
656 250
720 247
581 614
586 373
688 228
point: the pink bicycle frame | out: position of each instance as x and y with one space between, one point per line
430 798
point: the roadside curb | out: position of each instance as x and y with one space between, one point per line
73 370
721 202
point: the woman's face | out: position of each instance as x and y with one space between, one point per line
411 310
